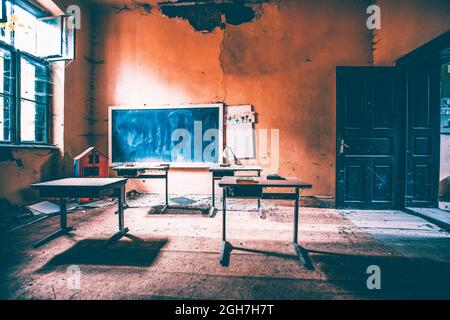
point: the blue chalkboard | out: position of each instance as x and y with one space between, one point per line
182 134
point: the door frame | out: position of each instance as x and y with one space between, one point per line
436 51
429 56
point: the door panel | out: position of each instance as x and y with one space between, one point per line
423 148
368 138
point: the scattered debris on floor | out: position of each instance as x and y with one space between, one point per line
133 194
183 201
44 207
99 204
176 255
10 214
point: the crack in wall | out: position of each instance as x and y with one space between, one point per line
93 61
374 40
222 69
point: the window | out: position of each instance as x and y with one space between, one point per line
34 100
6 94
24 79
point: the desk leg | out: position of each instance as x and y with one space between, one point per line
64 229
122 229
166 205
302 254
124 199
212 210
261 215
296 215
224 252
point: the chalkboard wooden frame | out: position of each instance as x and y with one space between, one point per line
220 108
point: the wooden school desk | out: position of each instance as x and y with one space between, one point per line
219 172
141 172
81 188
255 190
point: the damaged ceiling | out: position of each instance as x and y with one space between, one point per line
203 15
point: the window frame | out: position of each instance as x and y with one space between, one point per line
16 94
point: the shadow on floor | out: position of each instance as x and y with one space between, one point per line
401 278
181 210
138 252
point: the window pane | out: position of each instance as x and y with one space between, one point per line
34 81
5 118
6 28
6 78
49 37
69 37
33 122
25 30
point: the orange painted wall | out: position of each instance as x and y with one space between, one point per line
283 64
408 24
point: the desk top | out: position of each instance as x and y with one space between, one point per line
264 182
100 183
235 168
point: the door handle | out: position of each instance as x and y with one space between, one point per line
342 147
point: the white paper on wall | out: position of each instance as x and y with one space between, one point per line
240 136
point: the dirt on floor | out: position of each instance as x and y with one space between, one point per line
175 255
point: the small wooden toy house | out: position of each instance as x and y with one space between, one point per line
91 163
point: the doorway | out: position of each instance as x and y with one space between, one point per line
402 162
444 175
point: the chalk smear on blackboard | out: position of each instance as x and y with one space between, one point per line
177 135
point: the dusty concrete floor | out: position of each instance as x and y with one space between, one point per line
175 256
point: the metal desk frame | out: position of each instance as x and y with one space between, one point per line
226 184
219 172
140 173
58 189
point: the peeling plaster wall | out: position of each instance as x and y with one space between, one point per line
408 24
286 62
21 167
283 63
153 60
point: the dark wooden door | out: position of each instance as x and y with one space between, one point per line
423 139
369 121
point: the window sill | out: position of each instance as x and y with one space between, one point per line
29 146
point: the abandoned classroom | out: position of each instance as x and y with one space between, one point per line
252 149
